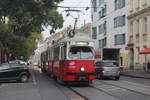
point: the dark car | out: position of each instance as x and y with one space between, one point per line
19 72
107 69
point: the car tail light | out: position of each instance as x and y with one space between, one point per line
102 68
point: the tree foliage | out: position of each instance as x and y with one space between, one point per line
21 23
26 16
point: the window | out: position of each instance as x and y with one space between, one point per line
101 2
94 5
63 51
56 53
137 38
4 66
120 39
145 24
138 57
102 28
144 37
138 28
107 64
119 4
81 53
94 33
92 17
100 44
102 12
103 43
131 28
119 21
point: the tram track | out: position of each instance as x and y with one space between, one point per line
68 91
107 93
77 94
124 88
98 90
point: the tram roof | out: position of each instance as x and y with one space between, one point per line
77 37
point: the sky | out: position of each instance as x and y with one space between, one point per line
85 16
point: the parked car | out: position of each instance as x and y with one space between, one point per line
19 72
17 62
107 69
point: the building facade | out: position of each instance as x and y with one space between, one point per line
109 20
139 33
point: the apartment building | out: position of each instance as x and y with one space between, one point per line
139 33
109 21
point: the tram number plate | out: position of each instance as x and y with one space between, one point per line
82 78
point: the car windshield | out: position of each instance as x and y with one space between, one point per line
84 53
106 64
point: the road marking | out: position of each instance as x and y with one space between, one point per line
34 80
3 85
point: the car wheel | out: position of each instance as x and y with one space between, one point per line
117 78
99 76
24 78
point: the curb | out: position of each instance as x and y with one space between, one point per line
135 76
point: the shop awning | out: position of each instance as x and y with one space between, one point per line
145 51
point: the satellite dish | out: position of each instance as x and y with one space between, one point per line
71 34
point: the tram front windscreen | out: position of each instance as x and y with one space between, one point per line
81 53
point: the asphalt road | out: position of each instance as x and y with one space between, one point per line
42 87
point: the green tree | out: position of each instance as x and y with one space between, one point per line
21 23
32 42
26 16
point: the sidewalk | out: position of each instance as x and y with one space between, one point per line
136 73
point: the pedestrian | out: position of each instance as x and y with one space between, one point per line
148 66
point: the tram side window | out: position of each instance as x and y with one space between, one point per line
63 52
49 54
56 53
46 56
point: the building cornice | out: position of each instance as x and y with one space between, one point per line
138 13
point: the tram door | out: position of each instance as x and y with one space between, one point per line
63 53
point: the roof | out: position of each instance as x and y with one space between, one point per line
77 37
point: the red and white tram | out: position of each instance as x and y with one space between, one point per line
70 59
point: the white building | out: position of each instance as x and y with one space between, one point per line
109 20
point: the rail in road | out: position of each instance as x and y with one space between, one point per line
105 90
111 90
45 88
123 89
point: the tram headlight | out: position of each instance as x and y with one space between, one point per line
82 69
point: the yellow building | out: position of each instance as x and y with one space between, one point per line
138 31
